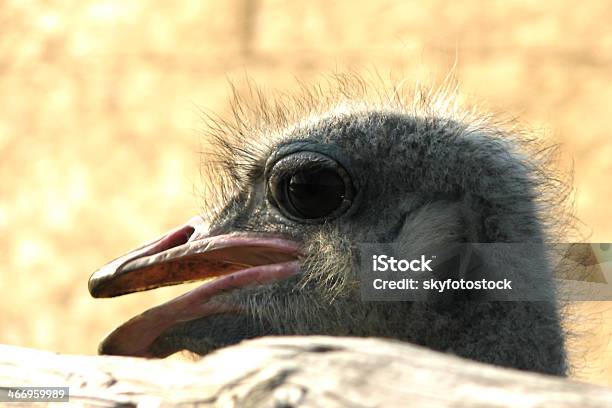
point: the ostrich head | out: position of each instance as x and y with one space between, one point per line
297 183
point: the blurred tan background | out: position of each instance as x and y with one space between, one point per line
99 119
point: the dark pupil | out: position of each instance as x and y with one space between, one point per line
315 193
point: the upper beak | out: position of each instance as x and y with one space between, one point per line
188 253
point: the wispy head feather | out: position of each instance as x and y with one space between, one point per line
236 146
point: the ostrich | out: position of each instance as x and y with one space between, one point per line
295 183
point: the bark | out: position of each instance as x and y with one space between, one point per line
296 372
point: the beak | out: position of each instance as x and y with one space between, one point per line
185 254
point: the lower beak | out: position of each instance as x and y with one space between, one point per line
185 254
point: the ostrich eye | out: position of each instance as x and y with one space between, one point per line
309 187
315 193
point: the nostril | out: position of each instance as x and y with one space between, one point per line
179 237
173 239
184 234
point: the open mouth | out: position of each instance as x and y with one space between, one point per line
187 254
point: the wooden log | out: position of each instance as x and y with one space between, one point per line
314 371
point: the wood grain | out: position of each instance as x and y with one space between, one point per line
296 372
